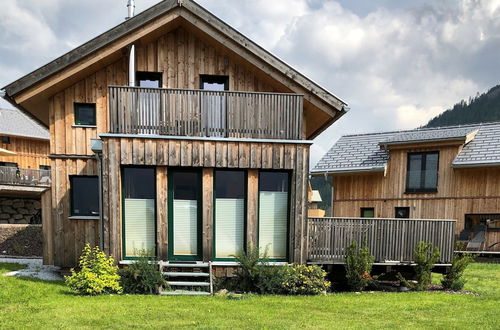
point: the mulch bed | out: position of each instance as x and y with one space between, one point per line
21 241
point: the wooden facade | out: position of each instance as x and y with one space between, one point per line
460 191
270 111
30 153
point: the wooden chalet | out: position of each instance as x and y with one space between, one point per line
174 133
428 173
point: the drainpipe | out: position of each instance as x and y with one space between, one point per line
96 146
131 57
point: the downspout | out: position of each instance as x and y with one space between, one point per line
131 57
96 147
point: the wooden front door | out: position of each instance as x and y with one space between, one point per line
185 210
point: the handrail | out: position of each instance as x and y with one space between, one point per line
24 176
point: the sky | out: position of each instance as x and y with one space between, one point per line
396 63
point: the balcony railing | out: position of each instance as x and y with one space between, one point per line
135 110
24 176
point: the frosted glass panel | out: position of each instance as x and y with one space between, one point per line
185 227
139 226
229 226
273 216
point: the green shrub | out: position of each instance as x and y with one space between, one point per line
304 280
143 276
98 274
358 266
454 280
252 266
425 257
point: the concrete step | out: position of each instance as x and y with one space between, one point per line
184 265
185 293
186 274
183 283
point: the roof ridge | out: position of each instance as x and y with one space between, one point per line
420 129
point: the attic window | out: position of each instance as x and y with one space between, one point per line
85 114
5 140
422 172
214 82
149 79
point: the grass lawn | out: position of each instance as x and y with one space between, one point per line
33 303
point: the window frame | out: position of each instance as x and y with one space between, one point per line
203 78
363 209
423 164
401 207
76 112
149 75
245 209
71 198
289 177
124 248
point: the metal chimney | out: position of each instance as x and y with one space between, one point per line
131 57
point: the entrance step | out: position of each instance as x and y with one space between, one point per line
185 293
188 278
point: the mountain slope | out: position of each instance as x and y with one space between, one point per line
480 109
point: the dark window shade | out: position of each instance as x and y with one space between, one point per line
186 185
230 184
149 79
5 139
402 212
8 164
273 181
214 82
45 167
85 114
84 195
139 182
422 172
368 212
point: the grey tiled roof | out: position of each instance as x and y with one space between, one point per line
14 122
356 153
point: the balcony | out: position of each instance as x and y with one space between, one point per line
201 113
24 177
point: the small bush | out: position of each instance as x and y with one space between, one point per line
304 280
98 274
454 280
358 266
143 276
425 257
252 266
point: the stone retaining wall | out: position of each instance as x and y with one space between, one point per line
21 240
19 210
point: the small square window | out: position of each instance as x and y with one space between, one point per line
85 114
84 195
368 212
5 140
214 82
45 167
402 212
149 79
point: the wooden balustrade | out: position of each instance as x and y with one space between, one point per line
24 176
180 112
387 239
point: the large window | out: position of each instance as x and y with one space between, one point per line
84 195
422 172
139 216
229 213
85 114
273 214
149 79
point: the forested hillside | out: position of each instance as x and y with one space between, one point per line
480 109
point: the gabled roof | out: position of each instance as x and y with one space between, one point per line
363 152
198 16
14 122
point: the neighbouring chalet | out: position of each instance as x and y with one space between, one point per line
24 167
428 173
173 132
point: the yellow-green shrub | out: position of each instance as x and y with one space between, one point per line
98 274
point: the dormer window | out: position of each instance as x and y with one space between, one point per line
422 172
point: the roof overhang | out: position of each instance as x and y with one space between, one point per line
348 170
485 163
5 152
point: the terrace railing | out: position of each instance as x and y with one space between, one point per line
180 112
24 176
389 240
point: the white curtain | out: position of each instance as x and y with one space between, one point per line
185 227
273 216
229 226
139 226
